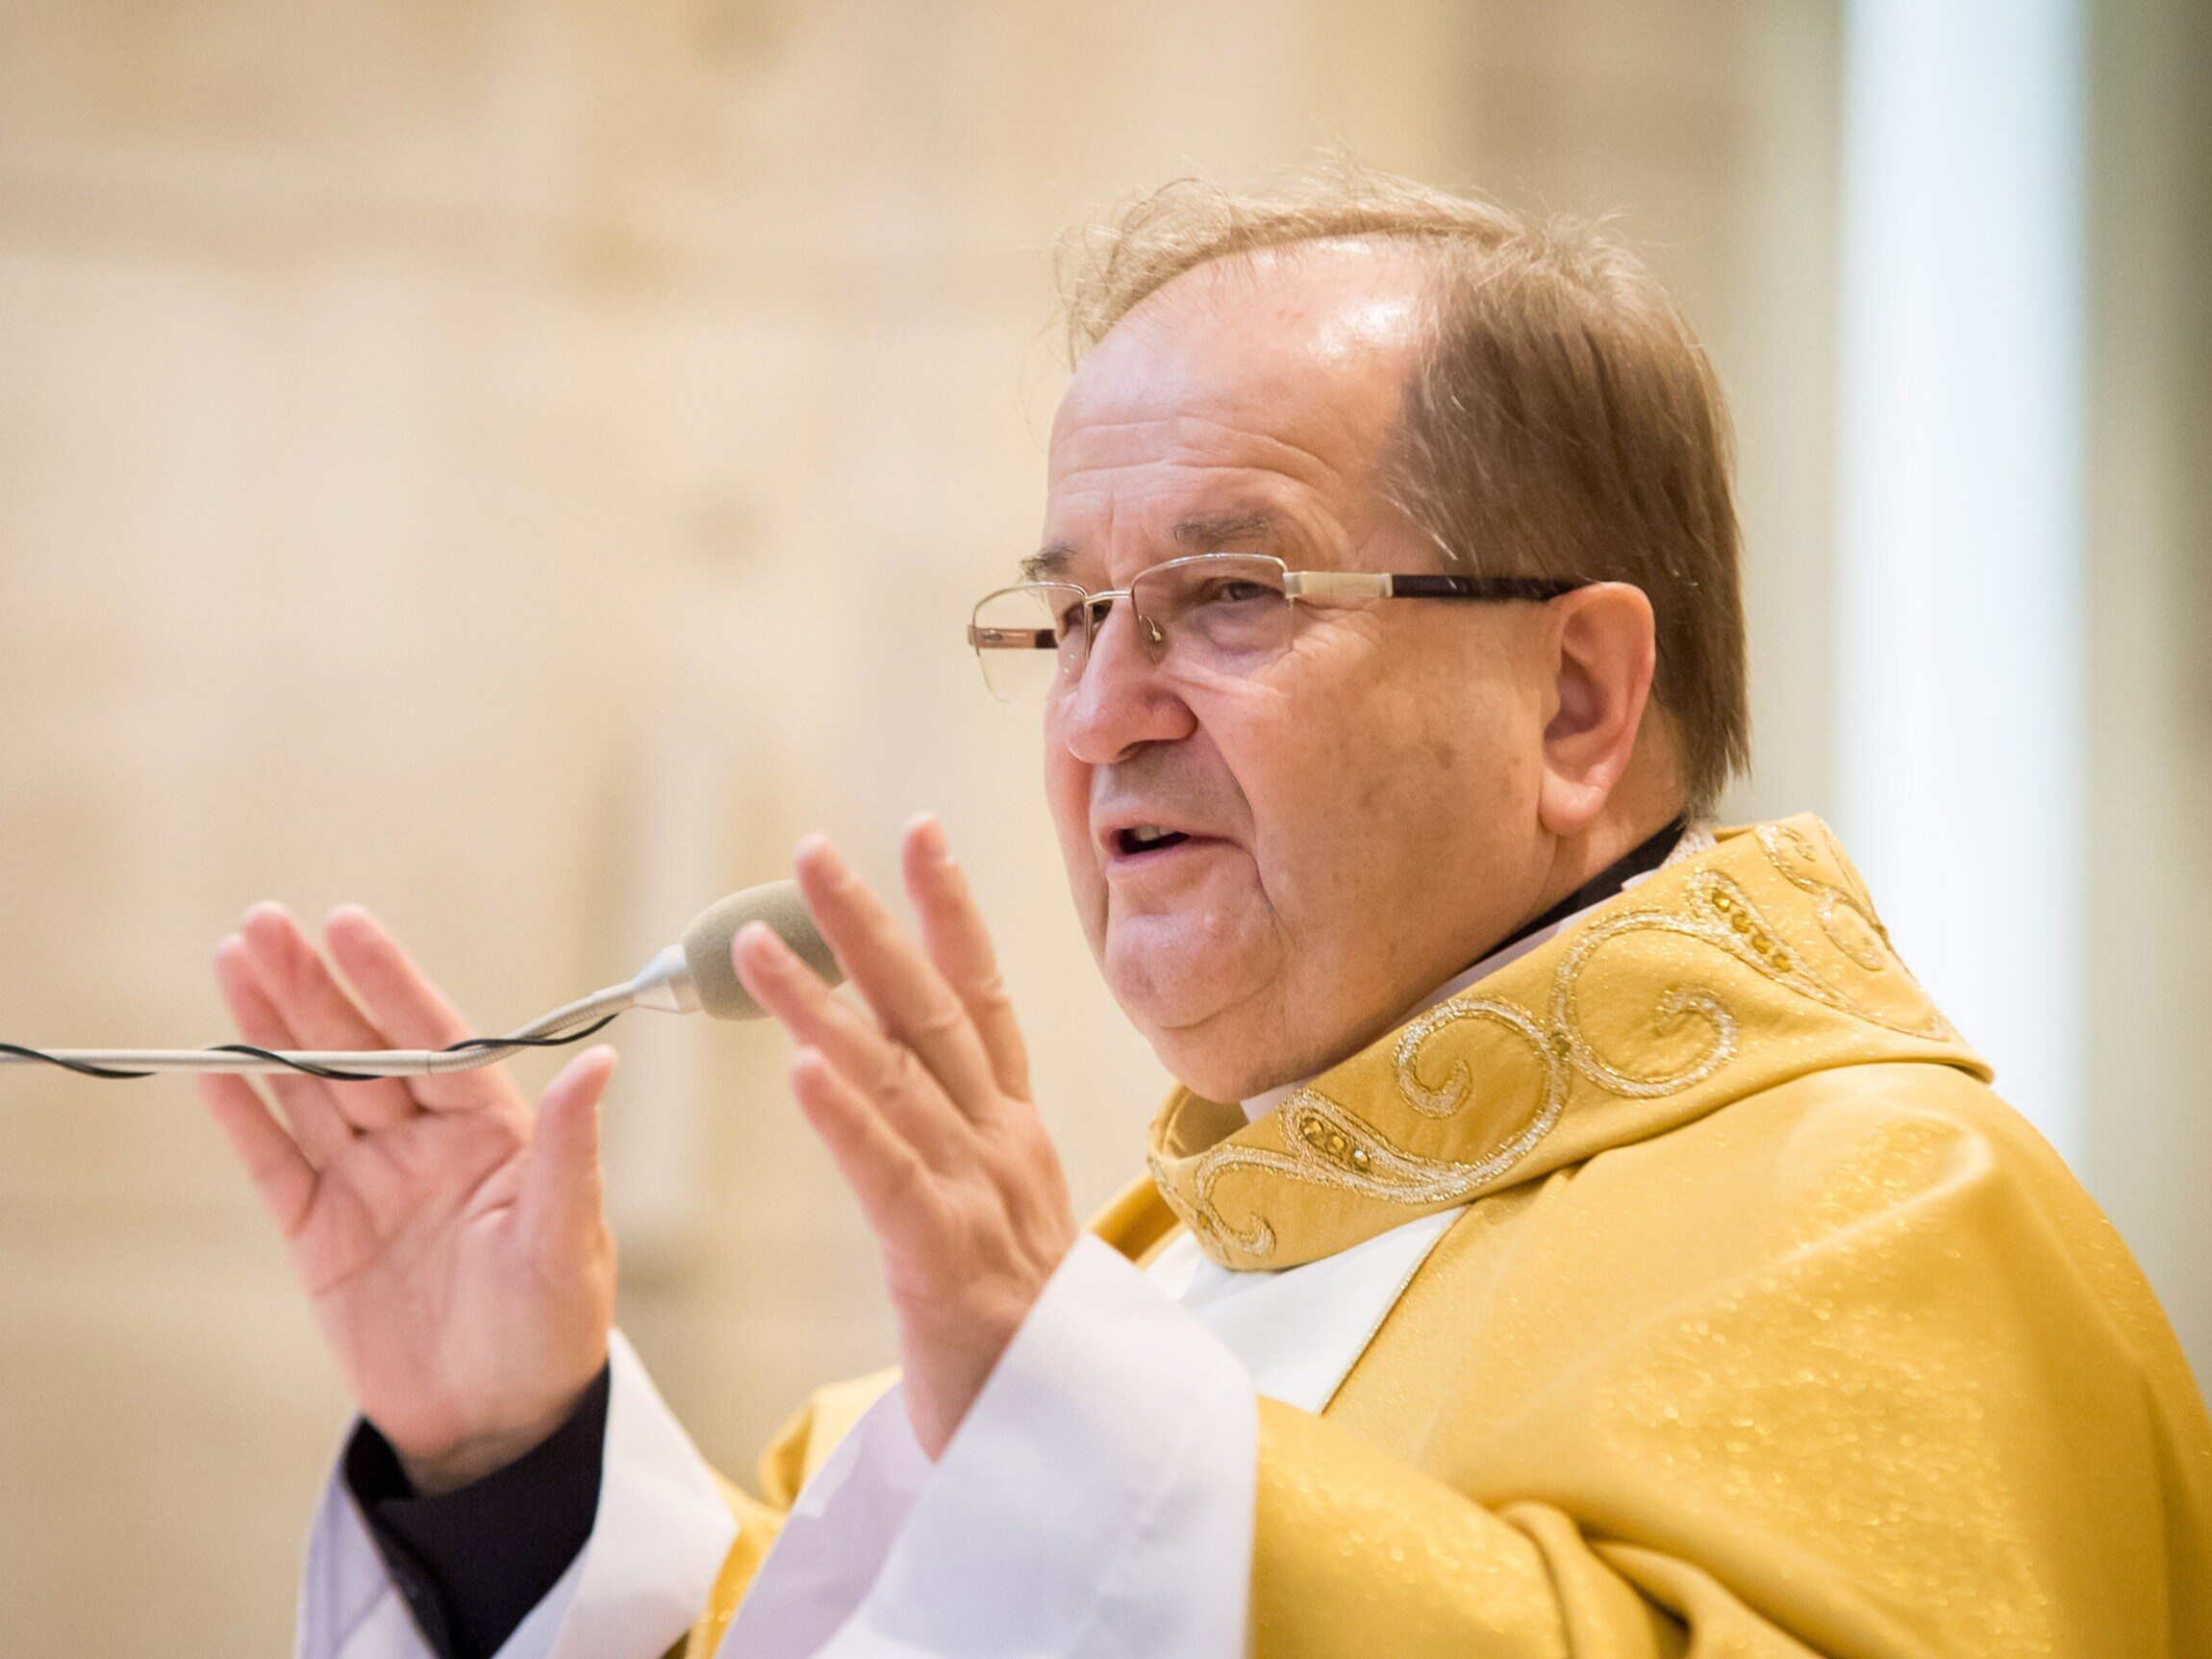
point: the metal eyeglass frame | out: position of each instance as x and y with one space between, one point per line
1339 586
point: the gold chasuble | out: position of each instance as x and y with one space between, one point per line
1767 1329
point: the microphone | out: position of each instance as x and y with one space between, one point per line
693 975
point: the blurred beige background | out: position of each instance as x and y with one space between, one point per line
521 465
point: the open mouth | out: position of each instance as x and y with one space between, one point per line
1146 838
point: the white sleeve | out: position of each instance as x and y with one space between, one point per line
639 1584
1096 1500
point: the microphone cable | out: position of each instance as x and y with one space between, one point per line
693 975
332 1073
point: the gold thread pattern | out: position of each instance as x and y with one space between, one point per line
1782 842
1327 1145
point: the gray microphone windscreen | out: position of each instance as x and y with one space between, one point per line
706 944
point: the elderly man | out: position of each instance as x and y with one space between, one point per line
1576 1233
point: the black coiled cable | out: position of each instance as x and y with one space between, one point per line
332 1073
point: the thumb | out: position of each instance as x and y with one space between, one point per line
562 1200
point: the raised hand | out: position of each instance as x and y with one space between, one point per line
452 1243
926 1111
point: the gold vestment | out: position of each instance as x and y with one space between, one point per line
1769 1328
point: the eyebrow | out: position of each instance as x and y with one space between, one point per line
1201 531
1205 530
1048 564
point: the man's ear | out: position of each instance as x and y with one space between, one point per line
1604 654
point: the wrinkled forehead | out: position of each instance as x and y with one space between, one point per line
1266 385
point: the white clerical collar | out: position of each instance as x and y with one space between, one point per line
1695 840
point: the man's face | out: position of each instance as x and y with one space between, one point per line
1361 813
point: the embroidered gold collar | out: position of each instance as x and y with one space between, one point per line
1726 972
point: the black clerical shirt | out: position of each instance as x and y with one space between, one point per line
471 1564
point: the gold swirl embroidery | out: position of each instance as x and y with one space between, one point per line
1677 1003
1330 1147
1445 1102
1872 952
1780 842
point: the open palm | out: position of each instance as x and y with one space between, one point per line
452 1243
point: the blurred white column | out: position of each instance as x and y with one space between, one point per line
1960 633
656 1141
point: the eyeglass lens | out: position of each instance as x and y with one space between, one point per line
1216 613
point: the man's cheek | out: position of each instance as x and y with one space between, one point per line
1087 887
1069 802
1067 798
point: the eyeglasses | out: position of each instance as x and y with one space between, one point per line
1225 614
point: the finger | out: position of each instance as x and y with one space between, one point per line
412 1011
884 1071
563 1203
317 1012
317 1123
886 1174
911 1001
278 1169
959 944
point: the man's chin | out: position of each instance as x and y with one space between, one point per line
1205 1014
1167 998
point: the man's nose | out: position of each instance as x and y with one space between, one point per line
1121 699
